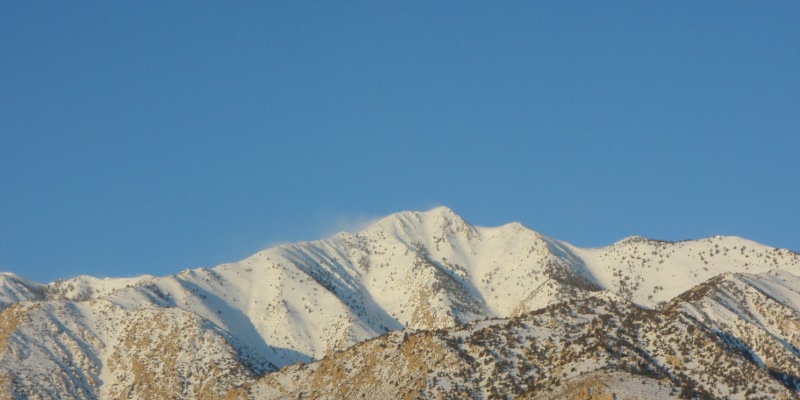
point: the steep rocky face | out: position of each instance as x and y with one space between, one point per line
208 330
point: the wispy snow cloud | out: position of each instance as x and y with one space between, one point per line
351 223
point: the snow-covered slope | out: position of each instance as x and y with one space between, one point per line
600 347
14 289
299 302
652 271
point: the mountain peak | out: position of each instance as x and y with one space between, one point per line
442 210
420 221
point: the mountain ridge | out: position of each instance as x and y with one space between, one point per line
302 302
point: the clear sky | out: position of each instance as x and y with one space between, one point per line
148 137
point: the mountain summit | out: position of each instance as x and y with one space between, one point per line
412 283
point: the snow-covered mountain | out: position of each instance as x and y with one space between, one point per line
204 332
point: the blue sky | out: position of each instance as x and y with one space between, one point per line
148 137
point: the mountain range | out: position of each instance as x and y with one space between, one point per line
420 305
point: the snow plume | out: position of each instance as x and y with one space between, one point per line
351 223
